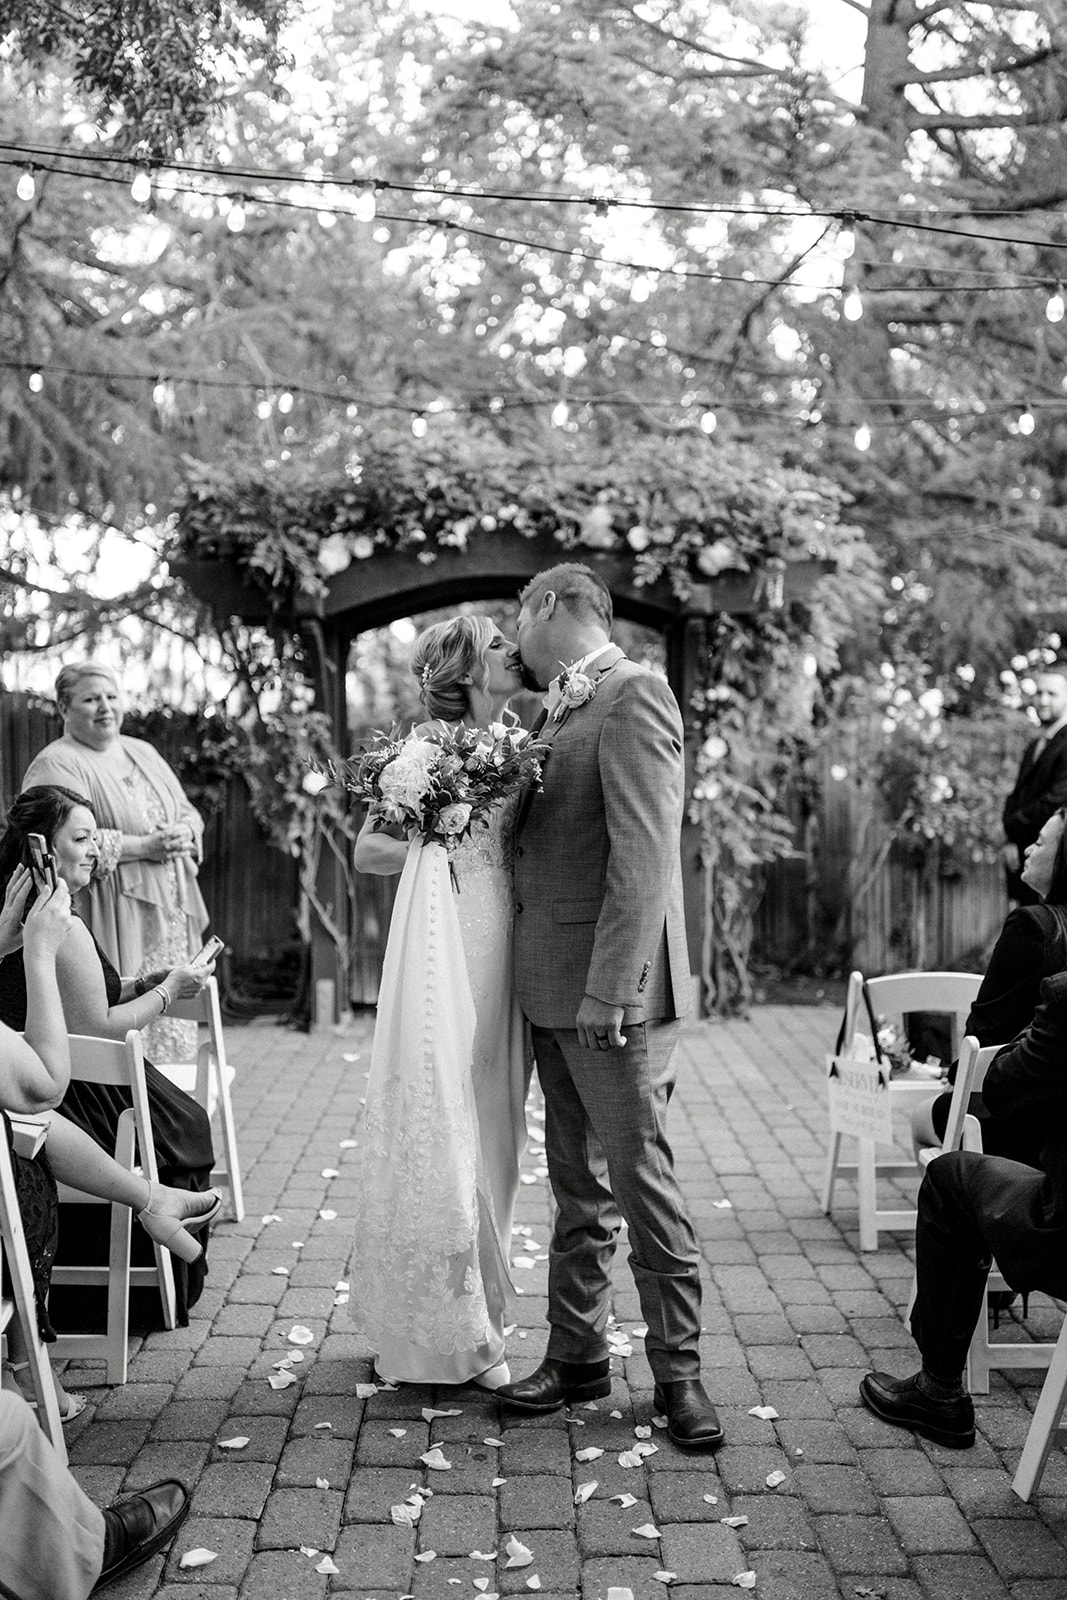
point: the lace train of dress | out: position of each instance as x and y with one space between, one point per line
444 1125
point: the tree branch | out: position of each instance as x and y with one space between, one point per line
954 74
760 67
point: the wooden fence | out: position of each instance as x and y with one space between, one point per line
845 901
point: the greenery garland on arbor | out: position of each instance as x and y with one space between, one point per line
680 512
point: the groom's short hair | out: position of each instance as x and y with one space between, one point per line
583 592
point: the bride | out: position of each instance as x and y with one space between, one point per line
444 1126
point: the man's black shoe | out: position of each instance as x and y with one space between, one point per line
692 1420
902 1402
136 1528
558 1383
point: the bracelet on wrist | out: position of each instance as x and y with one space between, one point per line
163 995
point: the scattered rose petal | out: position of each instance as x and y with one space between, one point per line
483 1555
351 1056
319 1425
616 1414
584 1490
341 1286
711 1499
330 1172
625 1500
238 1442
523 1261
364 1391
615 1593
533 1582
281 1380
322 1483
284 1365
765 1413
298 1244
456 1581
298 1334
659 1422
279 1272
723 1205
745 1580
427 1555
398 1433
519 1554
436 1461
576 1422
348 1144
642 1432
296 1357
309 1551
198 1558
643 1448
429 1412
590 1453
774 1479
340 1299
647 1530
326 1565
499 1443
272 1216
481 1583
630 1458
328 1216
734 1522
664 1577
405 1516
531 1244
639 1332
498 1483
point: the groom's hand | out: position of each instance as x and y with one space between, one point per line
599 1025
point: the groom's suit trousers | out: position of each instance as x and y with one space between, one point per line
609 1160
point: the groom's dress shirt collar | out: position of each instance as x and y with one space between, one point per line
553 694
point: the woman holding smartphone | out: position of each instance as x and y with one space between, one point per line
96 1000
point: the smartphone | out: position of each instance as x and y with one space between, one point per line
209 952
42 862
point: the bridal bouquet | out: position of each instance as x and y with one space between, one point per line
439 788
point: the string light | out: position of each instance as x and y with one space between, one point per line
26 187
560 414
418 427
1055 309
141 188
1027 422
846 238
235 217
709 422
862 437
35 383
365 207
852 306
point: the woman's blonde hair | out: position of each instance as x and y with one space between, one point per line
449 660
70 677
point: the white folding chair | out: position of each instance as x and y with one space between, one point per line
118 1062
1046 1425
963 1131
21 1308
208 1081
948 994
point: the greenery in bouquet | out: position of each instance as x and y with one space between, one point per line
441 785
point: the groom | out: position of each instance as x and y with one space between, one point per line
603 975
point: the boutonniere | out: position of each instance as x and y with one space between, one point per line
575 689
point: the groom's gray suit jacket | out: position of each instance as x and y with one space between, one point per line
597 869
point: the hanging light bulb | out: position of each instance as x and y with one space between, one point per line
141 188
846 240
26 187
852 309
235 217
365 208
709 422
418 427
1027 422
1055 309
35 382
862 437
560 414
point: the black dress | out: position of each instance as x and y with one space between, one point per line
35 1189
184 1155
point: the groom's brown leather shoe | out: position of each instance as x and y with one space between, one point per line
692 1420
136 1528
558 1383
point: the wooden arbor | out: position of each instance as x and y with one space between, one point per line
492 566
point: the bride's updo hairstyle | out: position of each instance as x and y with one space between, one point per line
448 660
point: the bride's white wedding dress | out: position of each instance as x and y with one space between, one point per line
444 1126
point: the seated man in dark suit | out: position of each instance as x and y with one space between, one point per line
1041 786
973 1208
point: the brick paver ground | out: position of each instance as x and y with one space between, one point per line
793 1314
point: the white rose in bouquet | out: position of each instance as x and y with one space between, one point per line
454 818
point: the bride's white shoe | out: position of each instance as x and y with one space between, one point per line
494 1377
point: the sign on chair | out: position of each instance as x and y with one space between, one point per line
858 1093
